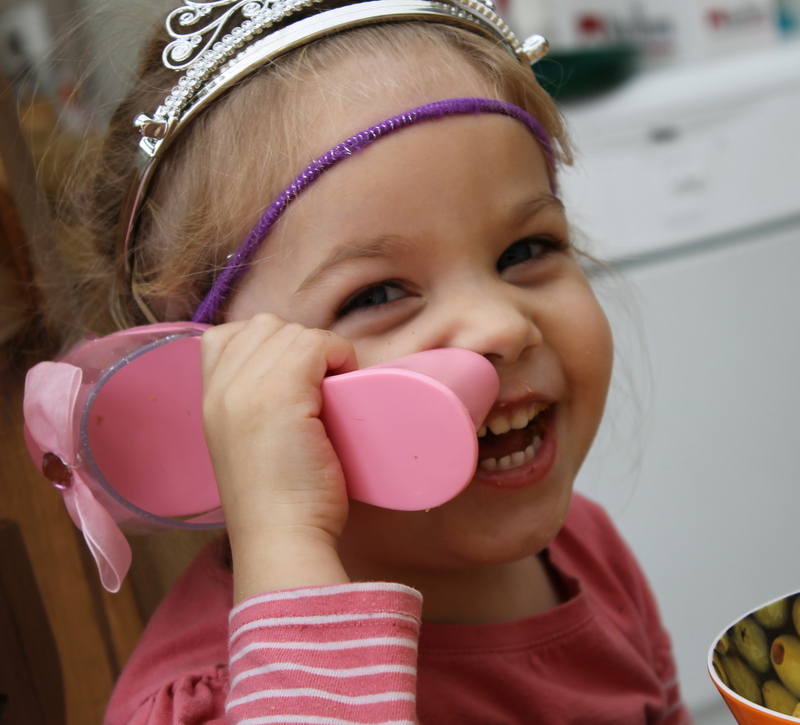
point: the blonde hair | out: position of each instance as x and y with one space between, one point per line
235 158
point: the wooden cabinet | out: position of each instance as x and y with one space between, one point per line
94 631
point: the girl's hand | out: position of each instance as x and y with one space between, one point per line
281 484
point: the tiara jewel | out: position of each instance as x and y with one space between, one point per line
216 43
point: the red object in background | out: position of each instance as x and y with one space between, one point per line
501 6
717 18
592 26
746 16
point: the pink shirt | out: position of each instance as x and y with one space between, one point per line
358 653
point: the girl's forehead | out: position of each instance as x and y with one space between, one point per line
415 184
357 92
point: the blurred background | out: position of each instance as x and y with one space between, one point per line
686 115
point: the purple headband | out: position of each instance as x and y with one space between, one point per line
239 262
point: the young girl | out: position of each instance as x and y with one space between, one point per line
516 602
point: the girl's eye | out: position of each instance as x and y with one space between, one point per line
527 249
371 297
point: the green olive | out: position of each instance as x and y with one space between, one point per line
785 655
796 614
716 661
723 645
743 680
773 615
778 698
752 644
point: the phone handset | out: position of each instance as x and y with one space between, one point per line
129 425
116 425
404 430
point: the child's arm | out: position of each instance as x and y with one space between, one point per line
297 648
336 654
348 651
281 483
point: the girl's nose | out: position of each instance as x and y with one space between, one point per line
499 326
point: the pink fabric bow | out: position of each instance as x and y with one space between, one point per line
51 392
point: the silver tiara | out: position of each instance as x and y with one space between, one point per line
216 43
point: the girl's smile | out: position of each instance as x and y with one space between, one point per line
519 438
448 234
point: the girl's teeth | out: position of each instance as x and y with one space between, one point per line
536 408
500 425
513 460
520 419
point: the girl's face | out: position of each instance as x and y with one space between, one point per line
447 234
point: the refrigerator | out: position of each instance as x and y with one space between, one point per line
688 183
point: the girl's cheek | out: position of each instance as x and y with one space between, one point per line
598 349
583 337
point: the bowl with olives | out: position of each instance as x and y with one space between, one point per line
755 664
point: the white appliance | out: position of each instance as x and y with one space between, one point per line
689 180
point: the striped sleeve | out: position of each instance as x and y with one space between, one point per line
334 655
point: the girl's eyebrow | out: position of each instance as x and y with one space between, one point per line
385 246
392 246
531 207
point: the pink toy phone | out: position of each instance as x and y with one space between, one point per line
116 424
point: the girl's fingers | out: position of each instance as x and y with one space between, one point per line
311 354
274 463
281 484
226 347
267 345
